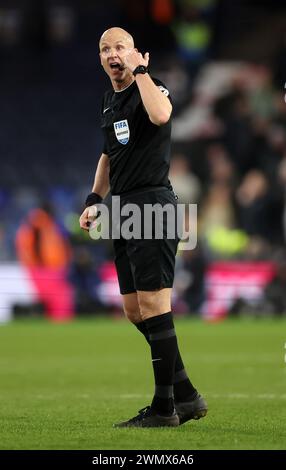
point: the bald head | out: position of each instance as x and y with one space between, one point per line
116 34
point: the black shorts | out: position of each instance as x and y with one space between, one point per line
147 264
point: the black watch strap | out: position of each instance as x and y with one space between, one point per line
140 69
93 198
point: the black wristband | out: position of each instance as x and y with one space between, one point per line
140 69
93 198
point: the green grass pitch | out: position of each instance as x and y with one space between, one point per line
63 386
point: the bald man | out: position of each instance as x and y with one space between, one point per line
135 119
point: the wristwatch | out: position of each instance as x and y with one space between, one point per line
140 69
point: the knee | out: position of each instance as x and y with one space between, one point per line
148 306
132 315
131 309
154 303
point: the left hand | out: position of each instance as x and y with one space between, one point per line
132 58
87 217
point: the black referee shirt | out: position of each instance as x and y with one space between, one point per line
138 150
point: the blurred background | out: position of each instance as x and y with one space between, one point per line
225 66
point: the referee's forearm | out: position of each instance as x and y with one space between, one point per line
157 105
101 179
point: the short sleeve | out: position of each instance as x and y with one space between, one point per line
104 149
162 87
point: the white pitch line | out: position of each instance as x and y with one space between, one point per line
127 396
239 396
131 396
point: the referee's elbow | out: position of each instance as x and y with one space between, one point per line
160 119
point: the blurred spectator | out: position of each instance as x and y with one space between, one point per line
149 21
193 31
233 110
273 301
218 223
190 278
261 97
279 64
61 23
275 292
11 20
162 11
185 184
255 206
85 278
46 254
217 209
282 181
40 243
221 168
257 249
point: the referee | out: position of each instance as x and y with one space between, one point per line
135 119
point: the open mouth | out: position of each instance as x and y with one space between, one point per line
116 66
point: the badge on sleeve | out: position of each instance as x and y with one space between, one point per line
122 133
164 90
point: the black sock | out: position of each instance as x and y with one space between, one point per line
163 343
183 387
143 329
